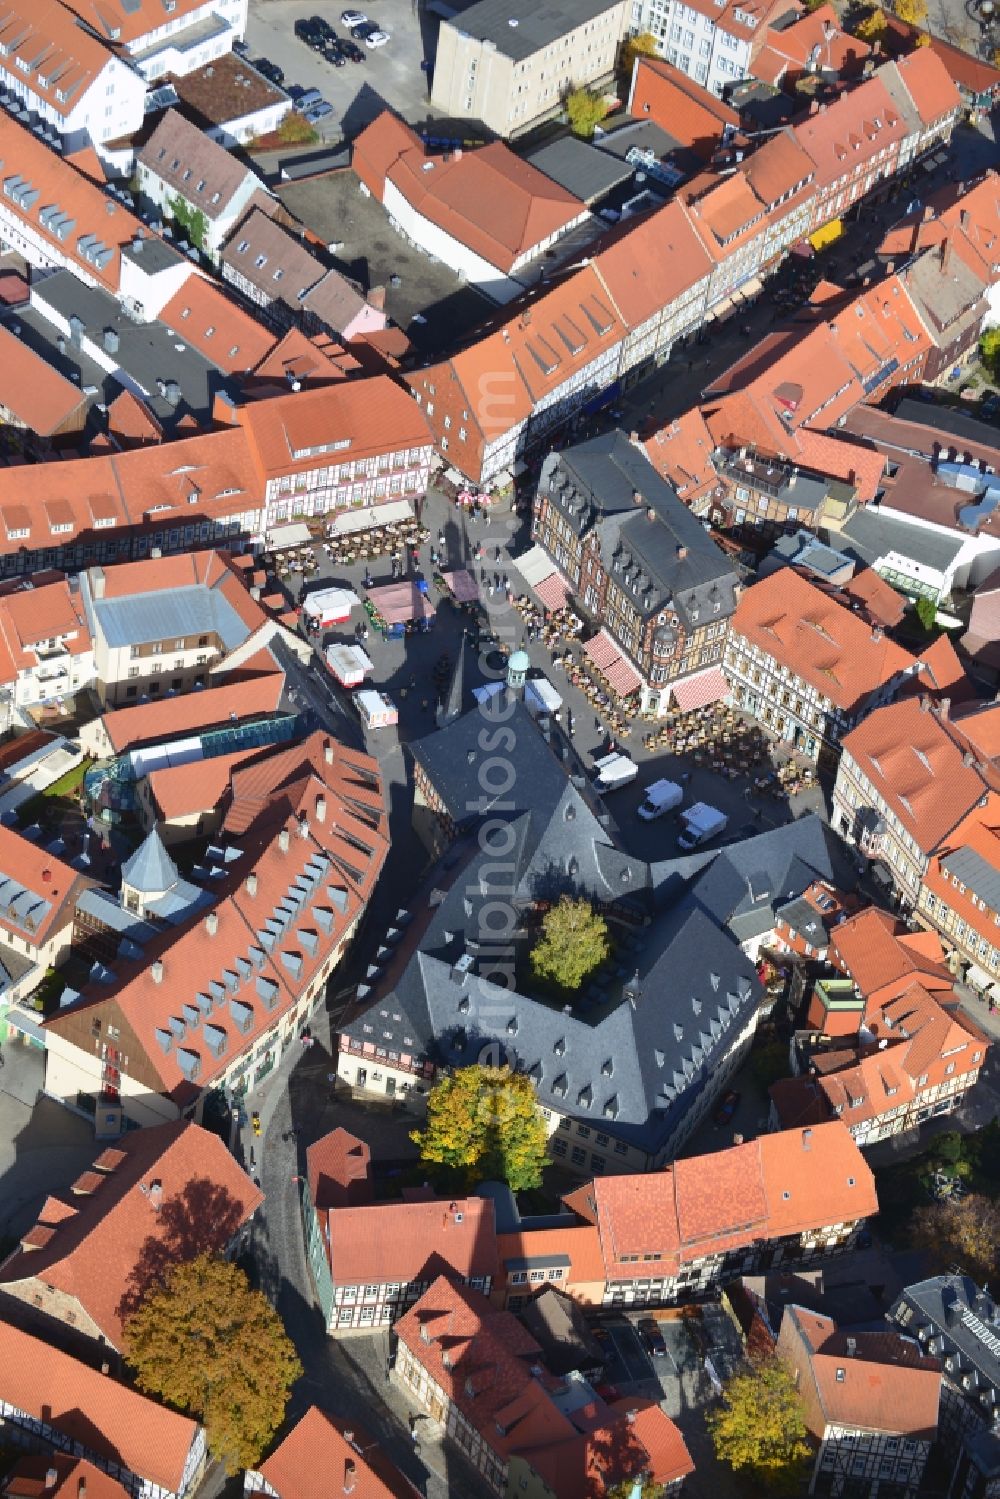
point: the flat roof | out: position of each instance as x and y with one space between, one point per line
519 28
226 89
146 352
579 167
370 251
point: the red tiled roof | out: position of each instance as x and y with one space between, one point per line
581 1245
35 394
407 1241
111 1420
873 947
75 1478
796 624
47 881
337 1168
501 207
183 790
331 812
205 317
767 1188
321 1456
350 420
649 264
917 761
121 1236
687 112
193 711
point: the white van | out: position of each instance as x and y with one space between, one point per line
661 796
614 771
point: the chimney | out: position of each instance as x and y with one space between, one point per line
636 497
944 707
251 884
156 970
946 257
224 412
376 298
456 155
807 1136
852 1347
156 1195
630 1416
681 553
321 809
965 220
81 1488
814 106
876 633
212 923
925 702
284 839
51 1477
105 1367
97 582
304 827
328 752
350 1470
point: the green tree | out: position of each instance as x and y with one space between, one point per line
962 1230
295 130
650 1488
483 1124
760 1428
642 45
191 220
209 1345
989 350
574 942
585 109
913 12
871 26
926 612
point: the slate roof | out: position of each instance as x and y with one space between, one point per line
973 871
633 1065
950 1312
150 868
746 881
651 544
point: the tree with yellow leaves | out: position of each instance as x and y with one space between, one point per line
208 1344
871 26
574 942
913 12
484 1124
642 45
760 1428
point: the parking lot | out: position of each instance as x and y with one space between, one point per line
390 76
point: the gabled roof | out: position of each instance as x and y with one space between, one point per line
74 1478
798 625
194 165
203 315
488 199
692 115
193 712
103 1246
321 1456
776 1185
350 420
106 1418
337 1169
880 954
400 1242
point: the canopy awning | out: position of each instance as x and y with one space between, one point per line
750 288
462 584
620 675
827 234
282 538
18 1021
977 977
398 603
701 689
535 565
369 516
553 591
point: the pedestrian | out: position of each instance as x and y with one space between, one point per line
441 539
506 583
597 723
496 582
496 554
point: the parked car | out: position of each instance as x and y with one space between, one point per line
364 29
270 71
352 51
727 1108
353 18
319 112
307 100
653 1341
304 30
334 55
376 38
255 1121
322 28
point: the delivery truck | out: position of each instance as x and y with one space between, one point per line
661 796
701 822
614 771
349 664
375 709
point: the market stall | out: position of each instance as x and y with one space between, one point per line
460 584
395 608
328 606
349 664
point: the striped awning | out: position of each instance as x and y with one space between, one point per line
553 591
534 565
699 690
620 675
